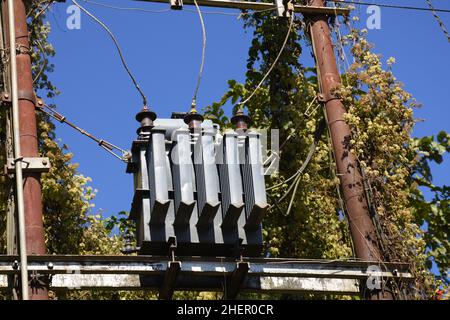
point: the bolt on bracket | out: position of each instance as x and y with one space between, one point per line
284 8
37 165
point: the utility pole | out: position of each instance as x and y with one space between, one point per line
34 228
361 226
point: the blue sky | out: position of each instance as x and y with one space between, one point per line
163 50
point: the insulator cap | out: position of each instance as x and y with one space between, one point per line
146 117
193 119
241 120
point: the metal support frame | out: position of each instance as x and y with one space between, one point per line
236 280
200 274
170 278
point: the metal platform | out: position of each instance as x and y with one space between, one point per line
199 274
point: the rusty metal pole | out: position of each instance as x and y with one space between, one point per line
361 226
34 227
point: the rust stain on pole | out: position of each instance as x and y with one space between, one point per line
28 138
361 227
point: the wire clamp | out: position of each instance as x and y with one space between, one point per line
176 4
284 8
21 49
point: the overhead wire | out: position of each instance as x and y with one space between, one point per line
119 50
298 174
126 8
291 23
202 64
392 6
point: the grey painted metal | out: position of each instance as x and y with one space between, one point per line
251 5
194 273
183 177
30 164
172 125
158 177
207 178
169 282
195 190
65 282
141 202
231 181
236 280
280 8
211 266
254 185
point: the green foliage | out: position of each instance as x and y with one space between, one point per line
380 113
286 101
434 214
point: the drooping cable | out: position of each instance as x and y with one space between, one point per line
119 50
297 175
202 64
126 8
291 23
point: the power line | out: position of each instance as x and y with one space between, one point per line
392 6
298 175
126 8
119 50
202 65
291 23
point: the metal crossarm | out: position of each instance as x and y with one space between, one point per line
203 274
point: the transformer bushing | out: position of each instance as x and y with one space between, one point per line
203 189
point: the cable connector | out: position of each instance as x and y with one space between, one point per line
284 8
176 4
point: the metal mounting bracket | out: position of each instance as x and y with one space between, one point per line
37 165
284 9
6 98
170 278
236 280
22 95
172 247
176 4
172 271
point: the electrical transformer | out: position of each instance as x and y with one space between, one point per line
199 187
